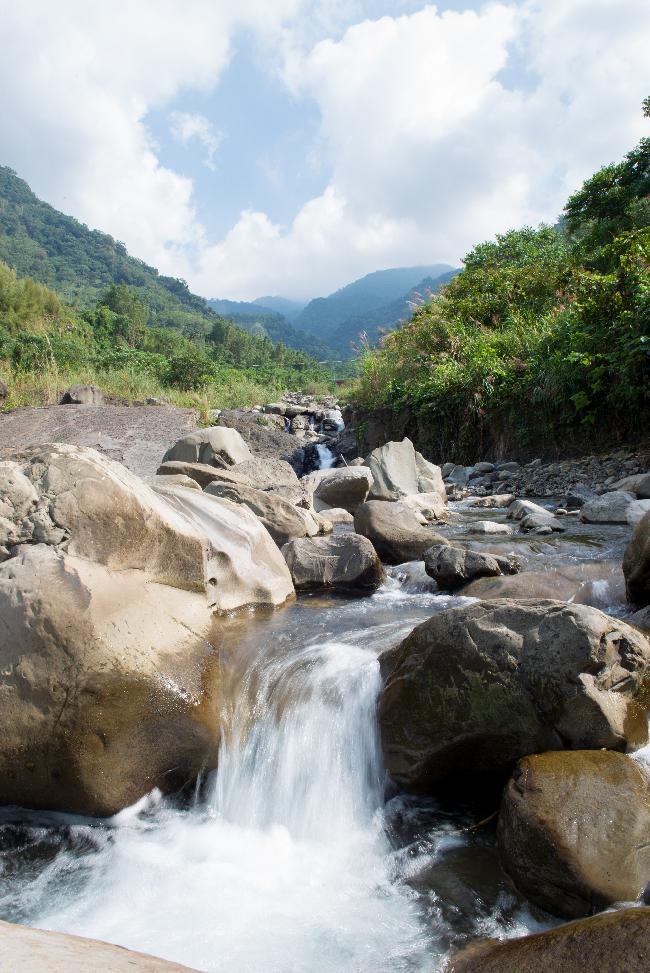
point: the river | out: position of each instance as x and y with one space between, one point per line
294 857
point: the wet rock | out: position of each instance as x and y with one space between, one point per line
600 585
38 951
637 511
394 530
573 830
475 688
215 446
342 561
399 471
495 500
281 518
532 517
636 564
82 395
340 487
489 527
452 567
610 508
616 942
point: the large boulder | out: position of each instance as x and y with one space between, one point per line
600 585
475 688
639 485
636 564
610 508
281 518
108 684
345 487
637 511
202 473
452 567
82 395
616 942
574 830
399 471
274 475
341 561
37 951
395 531
533 517
216 446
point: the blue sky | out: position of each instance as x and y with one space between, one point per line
290 146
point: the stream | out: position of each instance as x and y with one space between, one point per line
295 856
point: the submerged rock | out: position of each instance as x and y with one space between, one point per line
636 564
573 830
616 942
341 561
475 688
452 567
38 951
395 531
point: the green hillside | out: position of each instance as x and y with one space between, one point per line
262 321
542 341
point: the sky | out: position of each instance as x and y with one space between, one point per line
288 147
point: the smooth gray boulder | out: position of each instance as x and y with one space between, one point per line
610 508
398 471
452 567
637 511
336 515
342 486
281 518
532 517
475 688
489 528
82 395
395 531
216 446
573 830
495 500
346 561
639 485
636 564
37 951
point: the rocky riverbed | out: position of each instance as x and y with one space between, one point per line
266 708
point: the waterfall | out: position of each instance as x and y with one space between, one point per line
326 458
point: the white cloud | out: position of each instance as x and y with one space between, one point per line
189 126
429 145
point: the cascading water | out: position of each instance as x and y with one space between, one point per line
326 458
283 863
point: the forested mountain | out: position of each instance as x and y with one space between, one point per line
373 324
324 315
282 305
264 322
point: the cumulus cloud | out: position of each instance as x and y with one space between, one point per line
438 129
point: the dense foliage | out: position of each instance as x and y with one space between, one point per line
543 338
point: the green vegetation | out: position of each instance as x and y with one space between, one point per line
543 339
74 306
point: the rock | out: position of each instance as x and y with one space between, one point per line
4 392
37 951
215 446
82 395
600 585
267 442
108 684
459 476
475 688
636 564
637 511
610 508
639 485
578 495
332 420
489 527
495 500
341 561
520 509
299 425
201 473
340 487
357 461
452 567
336 515
428 506
175 480
616 942
446 469
281 518
274 475
641 619
508 467
394 530
399 471
573 830
484 467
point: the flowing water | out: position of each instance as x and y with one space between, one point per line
288 859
